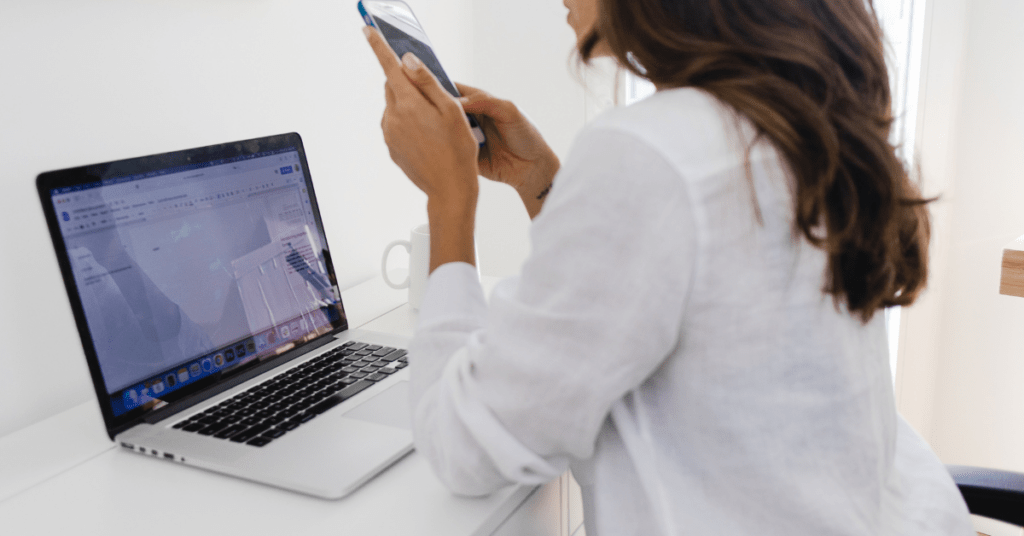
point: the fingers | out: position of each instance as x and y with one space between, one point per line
389 95
397 79
481 103
387 58
467 91
427 83
478 101
407 75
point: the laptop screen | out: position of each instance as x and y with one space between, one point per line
191 265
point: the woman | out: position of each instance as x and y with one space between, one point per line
697 332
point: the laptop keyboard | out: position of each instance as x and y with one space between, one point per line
281 404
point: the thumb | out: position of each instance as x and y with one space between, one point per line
424 80
484 104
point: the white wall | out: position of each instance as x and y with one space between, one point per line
962 371
521 52
93 80
90 81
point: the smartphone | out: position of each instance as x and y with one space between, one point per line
401 29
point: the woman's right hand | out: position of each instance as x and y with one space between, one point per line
515 152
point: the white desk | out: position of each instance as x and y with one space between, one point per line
64 476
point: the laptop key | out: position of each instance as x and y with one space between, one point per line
250 433
289 412
229 431
388 357
213 428
318 397
376 376
340 396
274 433
259 441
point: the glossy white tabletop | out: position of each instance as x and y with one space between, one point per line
63 475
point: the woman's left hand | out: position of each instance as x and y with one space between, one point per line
426 129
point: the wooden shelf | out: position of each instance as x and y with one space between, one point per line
1011 281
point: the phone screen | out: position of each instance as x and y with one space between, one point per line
402 43
404 33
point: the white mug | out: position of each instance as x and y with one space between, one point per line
418 247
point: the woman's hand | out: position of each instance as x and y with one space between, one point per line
424 127
429 137
515 153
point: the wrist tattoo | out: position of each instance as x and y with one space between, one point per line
544 192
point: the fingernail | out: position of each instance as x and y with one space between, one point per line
411 61
366 31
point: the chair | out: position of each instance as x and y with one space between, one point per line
991 493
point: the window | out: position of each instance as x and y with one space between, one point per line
903 25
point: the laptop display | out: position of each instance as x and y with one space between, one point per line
186 268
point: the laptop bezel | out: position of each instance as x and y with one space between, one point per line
49 181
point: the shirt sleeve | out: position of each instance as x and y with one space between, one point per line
512 390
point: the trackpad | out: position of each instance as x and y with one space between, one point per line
390 408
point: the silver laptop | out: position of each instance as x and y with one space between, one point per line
209 313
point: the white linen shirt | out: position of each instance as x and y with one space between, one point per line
669 340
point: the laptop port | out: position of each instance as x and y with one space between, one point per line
168 455
127 445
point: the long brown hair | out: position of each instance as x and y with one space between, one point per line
811 76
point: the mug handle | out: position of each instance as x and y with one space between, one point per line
384 263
